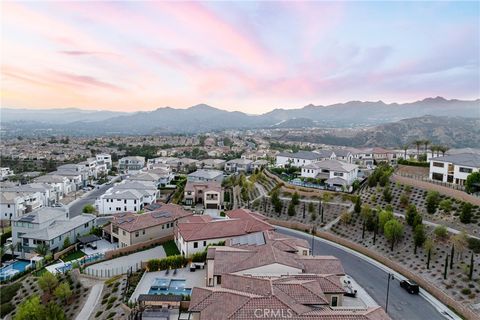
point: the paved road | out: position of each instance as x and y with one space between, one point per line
76 206
401 305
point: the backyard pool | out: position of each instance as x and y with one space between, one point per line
169 286
12 269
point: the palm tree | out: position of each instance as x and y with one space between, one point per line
418 143
444 149
434 148
42 249
426 143
405 148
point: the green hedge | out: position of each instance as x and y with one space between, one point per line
6 308
172 262
5 236
413 163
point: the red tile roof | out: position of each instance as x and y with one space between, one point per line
130 221
194 229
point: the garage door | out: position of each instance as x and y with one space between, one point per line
211 206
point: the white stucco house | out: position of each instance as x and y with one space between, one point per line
335 173
454 168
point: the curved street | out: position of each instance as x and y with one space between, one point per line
401 305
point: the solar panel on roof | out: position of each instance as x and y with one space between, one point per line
161 214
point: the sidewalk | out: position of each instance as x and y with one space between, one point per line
91 302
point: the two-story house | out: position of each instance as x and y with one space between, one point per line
454 168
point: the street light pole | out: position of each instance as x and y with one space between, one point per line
313 238
390 277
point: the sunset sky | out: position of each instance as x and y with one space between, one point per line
246 56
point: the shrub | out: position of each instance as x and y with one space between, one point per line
291 209
404 200
98 314
445 205
8 292
171 262
387 194
474 245
466 214
432 201
6 308
441 232
466 291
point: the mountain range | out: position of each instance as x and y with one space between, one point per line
202 118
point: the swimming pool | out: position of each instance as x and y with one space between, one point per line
12 269
169 286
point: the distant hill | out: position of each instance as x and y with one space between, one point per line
455 132
201 118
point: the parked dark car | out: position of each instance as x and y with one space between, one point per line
410 286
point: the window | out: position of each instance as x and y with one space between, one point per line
124 233
135 201
204 243
136 234
438 164
195 244
163 226
86 225
437 176
465 170
8 206
143 231
334 301
338 174
125 201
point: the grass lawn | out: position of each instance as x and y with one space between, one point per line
73 255
170 248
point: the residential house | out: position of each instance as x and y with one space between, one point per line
127 196
50 226
5 172
216 164
300 158
185 165
17 203
61 185
131 163
343 155
239 165
203 175
207 193
195 233
104 158
130 228
263 276
259 164
335 173
454 168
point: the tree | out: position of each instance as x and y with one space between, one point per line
460 241
346 217
66 242
295 199
445 205
410 214
42 249
53 311
384 179
63 292
466 214
404 200
311 207
276 202
440 232
358 205
387 194
291 209
473 182
426 143
393 230
418 143
417 220
88 208
405 148
432 200
30 309
47 282
383 217
419 237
